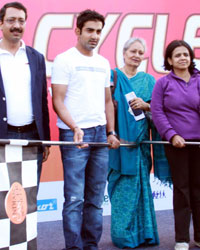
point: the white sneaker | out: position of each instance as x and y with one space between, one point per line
181 246
197 243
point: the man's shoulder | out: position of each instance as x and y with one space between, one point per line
101 60
100 57
67 53
33 51
66 56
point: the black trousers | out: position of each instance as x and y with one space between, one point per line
185 169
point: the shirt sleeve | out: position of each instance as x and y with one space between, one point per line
60 71
107 81
160 119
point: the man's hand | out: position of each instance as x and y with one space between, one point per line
78 137
46 154
113 141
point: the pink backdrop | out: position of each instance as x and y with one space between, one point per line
50 30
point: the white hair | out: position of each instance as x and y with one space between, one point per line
131 41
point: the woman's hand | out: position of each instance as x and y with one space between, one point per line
138 103
178 141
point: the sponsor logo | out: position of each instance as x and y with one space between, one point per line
159 194
16 203
106 200
47 205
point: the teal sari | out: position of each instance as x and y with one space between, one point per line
133 219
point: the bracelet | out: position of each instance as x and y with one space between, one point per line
112 133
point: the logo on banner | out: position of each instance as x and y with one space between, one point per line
16 203
159 194
106 200
47 205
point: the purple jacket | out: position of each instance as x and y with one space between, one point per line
175 106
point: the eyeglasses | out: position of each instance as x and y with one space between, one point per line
14 20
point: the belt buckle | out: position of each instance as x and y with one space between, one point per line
19 130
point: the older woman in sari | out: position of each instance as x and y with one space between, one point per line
133 219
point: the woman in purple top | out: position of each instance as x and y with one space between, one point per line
175 110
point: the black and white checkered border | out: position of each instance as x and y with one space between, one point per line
18 164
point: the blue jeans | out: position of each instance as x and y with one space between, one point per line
85 173
31 135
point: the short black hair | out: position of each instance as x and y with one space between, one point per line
16 5
89 15
169 50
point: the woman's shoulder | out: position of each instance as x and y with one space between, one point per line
164 78
146 75
146 78
114 69
196 73
164 81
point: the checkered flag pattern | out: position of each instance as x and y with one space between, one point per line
18 198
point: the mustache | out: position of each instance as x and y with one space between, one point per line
16 30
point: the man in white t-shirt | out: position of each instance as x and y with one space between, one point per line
83 103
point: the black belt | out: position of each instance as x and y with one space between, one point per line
22 129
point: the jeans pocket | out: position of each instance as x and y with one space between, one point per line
66 135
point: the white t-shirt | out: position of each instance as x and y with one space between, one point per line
15 70
86 77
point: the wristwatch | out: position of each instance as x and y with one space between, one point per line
112 133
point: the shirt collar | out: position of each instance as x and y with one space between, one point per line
195 72
22 47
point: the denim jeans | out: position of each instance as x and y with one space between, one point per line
85 173
31 135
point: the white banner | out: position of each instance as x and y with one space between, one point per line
50 199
